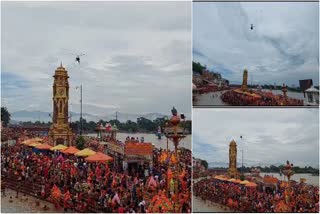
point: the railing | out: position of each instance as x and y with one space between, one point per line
34 189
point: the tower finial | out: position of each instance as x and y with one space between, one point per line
61 64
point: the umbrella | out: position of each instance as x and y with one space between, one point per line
237 181
251 184
99 157
38 139
44 146
244 182
59 147
70 150
85 152
35 144
27 142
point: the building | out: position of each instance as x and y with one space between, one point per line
305 84
311 96
60 131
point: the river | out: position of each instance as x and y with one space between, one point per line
185 143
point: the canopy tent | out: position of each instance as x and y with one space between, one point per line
44 146
70 150
59 147
99 157
85 152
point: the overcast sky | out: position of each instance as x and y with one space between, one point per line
138 55
283 46
270 135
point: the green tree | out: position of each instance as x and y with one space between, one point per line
242 177
197 67
145 124
204 163
80 142
5 116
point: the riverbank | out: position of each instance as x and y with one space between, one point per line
198 205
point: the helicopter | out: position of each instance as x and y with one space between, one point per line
77 55
251 27
78 58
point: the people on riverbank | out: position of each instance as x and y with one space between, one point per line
296 198
81 186
267 99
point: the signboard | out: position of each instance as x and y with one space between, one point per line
138 149
115 148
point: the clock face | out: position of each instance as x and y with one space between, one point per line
61 92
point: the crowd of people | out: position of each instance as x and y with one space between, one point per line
298 197
265 99
81 186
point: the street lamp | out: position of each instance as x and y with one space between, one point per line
80 108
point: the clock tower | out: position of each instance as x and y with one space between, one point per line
60 131
232 171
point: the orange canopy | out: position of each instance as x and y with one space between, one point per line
44 146
70 150
237 181
251 184
99 157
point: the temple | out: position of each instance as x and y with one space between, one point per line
60 131
232 171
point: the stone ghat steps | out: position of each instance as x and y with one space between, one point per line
27 188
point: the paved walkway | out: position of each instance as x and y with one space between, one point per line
19 206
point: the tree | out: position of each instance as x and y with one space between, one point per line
242 177
198 68
80 142
5 116
204 163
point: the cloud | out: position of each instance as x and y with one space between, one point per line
136 60
282 47
269 135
